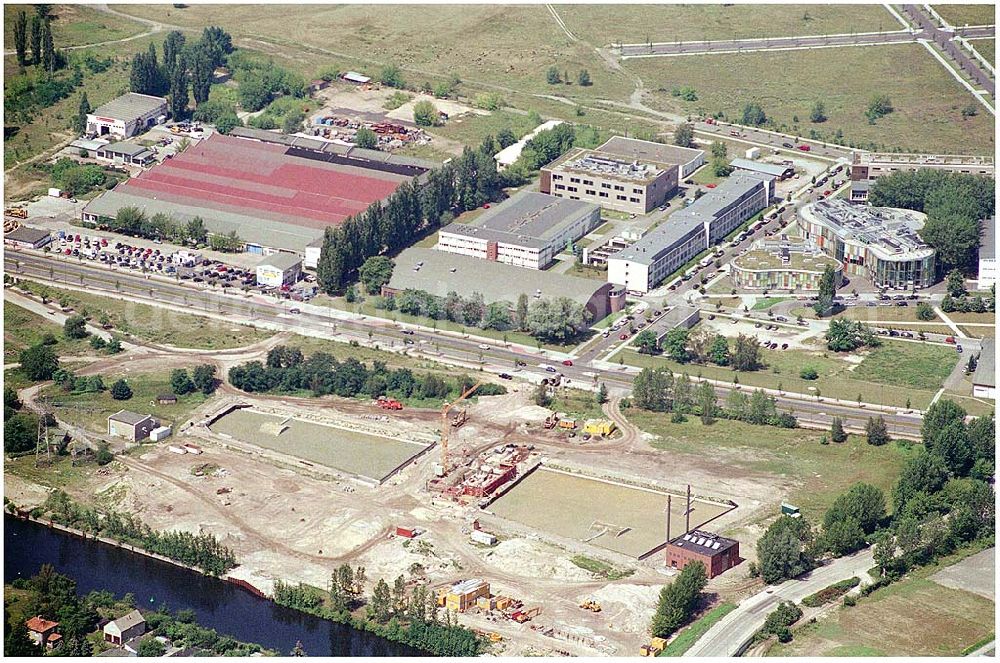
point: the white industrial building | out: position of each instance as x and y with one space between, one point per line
130 425
687 159
643 265
512 153
987 275
528 230
984 380
126 116
279 269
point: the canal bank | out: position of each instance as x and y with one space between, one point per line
219 605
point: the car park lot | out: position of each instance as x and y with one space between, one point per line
163 260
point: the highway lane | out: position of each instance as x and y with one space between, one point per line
446 347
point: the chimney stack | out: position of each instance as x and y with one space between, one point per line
687 512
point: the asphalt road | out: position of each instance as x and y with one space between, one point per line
943 38
433 344
733 632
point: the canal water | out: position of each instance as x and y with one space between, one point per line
226 608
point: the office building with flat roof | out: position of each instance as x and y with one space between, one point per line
686 233
527 230
867 167
686 158
614 182
878 243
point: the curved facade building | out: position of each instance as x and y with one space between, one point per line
785 264
878 243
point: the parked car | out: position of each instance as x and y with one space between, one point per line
567 362
505 376
623 337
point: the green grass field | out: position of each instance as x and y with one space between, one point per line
159 325
959 15
92 410
927 100
472 129
510 46
913 617
814 474
765 303
22 328
987 48
608 24
891 374
74 25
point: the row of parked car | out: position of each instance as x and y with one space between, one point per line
184 264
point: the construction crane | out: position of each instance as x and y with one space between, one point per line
446 425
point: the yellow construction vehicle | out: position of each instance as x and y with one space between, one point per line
593 606
495 637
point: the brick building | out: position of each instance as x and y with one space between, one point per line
717 553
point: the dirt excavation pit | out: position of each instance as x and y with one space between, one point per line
362 454
622 518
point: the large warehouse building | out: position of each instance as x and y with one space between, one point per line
126 116
271 195
440 272
879 243
527 230
688 232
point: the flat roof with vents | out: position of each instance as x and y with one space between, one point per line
610 166
527 218
703 543
890 232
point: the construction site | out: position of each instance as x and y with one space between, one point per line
494 496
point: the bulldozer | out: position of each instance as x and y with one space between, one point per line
550 421
591 605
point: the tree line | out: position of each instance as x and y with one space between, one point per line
658 390
184 66
680 345
556 319
133 221
287 370
387 227
392 612
678 600
942 499
199 550
955 205
36 33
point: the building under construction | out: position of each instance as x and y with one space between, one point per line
485 474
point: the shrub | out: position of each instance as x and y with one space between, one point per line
808 373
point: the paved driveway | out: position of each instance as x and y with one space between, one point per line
976 574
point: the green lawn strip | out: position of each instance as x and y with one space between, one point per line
783 369
914 365
987 48
831 593
927 116
59 474
159 325
605 24
981 643
765 303
365 308
600 568
91 410
816 474
690 635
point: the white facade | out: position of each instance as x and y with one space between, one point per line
279 269
312 256
127 115
512 153
161 433
987 276
532 253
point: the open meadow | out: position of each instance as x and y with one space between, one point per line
928 101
